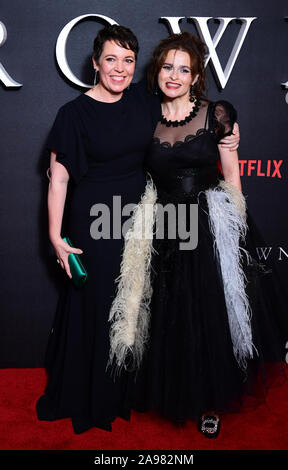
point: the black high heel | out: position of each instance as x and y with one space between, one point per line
209 426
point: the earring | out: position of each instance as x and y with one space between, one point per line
157 90
96 77
192 94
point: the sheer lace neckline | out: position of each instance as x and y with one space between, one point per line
178 143
176 136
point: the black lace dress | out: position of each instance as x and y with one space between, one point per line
190 365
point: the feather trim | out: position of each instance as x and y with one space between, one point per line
227 220
237 197
130 312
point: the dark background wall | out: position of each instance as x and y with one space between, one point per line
30 276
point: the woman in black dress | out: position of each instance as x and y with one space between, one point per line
213 338
98 142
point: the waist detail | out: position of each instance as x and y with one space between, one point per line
188 181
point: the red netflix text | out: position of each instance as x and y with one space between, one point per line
268 168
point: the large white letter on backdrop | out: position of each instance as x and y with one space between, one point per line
4 76
61 47
203 31
173 23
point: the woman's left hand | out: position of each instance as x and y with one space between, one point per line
231 142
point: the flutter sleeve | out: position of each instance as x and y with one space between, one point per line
223 117
66 139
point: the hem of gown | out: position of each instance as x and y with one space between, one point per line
46 411
246 403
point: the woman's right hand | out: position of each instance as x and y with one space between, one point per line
62 250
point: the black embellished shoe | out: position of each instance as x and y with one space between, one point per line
209 425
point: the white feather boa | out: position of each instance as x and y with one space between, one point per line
227 220
130 312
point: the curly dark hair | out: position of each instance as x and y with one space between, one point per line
123 36
186 42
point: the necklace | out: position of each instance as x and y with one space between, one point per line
188 118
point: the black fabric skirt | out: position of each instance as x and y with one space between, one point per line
79 386
189 366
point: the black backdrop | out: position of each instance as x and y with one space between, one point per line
30 277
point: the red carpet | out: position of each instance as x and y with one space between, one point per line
263 429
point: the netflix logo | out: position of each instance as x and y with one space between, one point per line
268 168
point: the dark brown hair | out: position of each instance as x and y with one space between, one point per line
183 42
120 34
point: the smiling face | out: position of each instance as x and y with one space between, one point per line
175 76
116 67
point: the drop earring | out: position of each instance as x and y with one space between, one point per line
192 94
157 90
96 77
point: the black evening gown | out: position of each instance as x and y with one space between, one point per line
102 145
189 366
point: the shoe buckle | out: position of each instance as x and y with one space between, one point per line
209 421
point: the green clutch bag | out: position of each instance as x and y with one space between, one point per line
78 272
